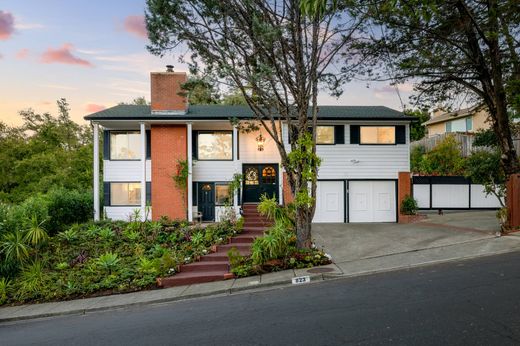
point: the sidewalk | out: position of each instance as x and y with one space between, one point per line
377 264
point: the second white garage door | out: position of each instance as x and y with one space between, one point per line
372 201
330 201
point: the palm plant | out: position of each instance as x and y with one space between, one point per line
14 248
35 234
5 288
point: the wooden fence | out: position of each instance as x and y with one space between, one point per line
465 140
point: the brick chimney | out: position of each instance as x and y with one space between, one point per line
165 88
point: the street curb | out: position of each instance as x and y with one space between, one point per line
260 286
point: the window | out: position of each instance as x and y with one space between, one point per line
448 126
269 175
222 196
125 145
377 135
215 145
125 194
469 124
251 176
325 135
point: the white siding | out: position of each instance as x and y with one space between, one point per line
214 170
450 196
123 213
421 193
125 170
249 149
353 161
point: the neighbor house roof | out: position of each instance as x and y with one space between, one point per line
461 113
216 112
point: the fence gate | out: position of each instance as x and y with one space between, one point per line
451 192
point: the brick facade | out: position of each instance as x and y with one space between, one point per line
169 144
404 188
513 200
165 87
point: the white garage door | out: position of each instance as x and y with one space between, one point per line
330 201
372 201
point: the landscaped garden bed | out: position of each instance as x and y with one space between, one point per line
107 257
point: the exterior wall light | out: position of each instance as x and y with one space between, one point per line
260 141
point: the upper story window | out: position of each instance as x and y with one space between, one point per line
217 145
125 145
448 126
325 135
377 135
469 124
125 193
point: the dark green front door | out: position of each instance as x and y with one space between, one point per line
260 179
206 201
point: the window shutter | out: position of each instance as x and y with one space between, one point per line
106 145
148 144
194 193
194 141
354 134
106 194
400 134
339 134
238 145
148 193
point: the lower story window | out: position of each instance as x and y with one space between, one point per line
125 193
222 194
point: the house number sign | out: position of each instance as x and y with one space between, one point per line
301 280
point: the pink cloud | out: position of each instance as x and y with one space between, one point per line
63 55
136 26
93 108
22 53
6 25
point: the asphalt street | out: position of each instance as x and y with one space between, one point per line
474 302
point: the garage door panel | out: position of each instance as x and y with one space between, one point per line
330 201
372 201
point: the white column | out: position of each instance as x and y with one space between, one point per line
235 158
190 171
143 170
97 212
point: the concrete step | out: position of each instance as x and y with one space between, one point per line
222 256
190 278
243 238
205 266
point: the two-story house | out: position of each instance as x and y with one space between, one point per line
467 120
362 150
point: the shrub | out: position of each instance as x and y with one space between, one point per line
275 244
69 235
108 261
30 282
270 208
5 288
66 207
409 206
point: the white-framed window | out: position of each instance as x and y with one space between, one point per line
125 145
222 194
125 194
448 126
325 134
216 145
377 135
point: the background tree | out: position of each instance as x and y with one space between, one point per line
139 101
453 49
278 56
417 129
200 91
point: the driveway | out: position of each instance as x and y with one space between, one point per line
348 242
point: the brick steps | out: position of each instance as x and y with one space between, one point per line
215 266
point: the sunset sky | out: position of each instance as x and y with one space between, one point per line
93 54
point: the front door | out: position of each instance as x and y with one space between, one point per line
206 201
260 179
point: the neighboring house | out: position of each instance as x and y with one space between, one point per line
362 149
468 120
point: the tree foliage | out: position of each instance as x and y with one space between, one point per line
454 50
45 152
417 129
275 54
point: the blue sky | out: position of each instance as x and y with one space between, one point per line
93 54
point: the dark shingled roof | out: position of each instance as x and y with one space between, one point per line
208 112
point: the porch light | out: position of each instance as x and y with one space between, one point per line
260 140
